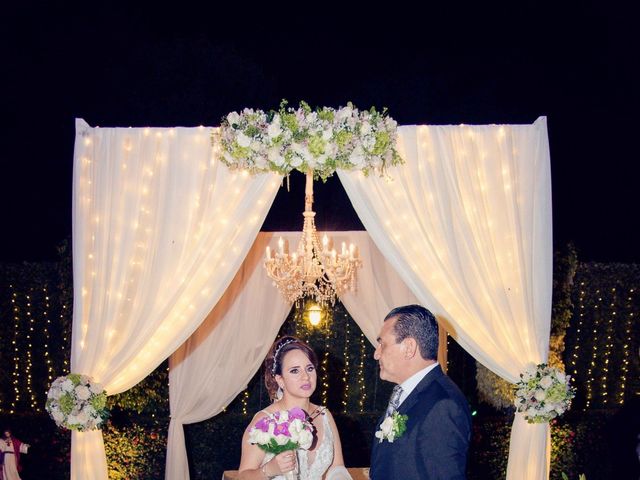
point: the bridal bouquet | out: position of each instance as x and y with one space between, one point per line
303 139
543 393
76 402
282 431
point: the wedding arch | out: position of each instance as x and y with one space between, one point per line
163 235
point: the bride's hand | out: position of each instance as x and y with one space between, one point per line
283 462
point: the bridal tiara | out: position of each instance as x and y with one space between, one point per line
277 352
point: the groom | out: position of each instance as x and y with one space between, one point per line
434 445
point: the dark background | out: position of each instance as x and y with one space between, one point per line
150 64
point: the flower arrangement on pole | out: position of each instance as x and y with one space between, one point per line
303 139
76 402
543 393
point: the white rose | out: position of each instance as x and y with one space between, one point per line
82 392
243 140
357 156
274 130
305 439
386 429
344 113
296 161
327 133
562 378
67 385
233 118
540 395
274 157
284 416
255 145
281 439
83 418
295 426
365 128
96 388
546 382
72 420
57 415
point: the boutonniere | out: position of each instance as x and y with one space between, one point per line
392 427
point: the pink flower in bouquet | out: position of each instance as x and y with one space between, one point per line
281 431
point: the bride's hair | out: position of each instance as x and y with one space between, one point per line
273 362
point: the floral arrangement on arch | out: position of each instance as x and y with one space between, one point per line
75 402
543 393
303 139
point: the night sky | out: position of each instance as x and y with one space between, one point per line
146 64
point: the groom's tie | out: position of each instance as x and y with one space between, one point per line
394 402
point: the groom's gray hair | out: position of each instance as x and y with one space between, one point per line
419 323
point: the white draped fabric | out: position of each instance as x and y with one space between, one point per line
159 231
217 362
466 222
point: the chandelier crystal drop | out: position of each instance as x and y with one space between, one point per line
312 271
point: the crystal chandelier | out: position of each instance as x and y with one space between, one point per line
312 271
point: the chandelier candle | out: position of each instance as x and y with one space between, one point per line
312 271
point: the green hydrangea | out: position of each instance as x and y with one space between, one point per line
66 403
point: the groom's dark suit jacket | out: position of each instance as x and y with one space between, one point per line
435 445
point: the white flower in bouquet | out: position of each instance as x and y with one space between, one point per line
327 133
274 130
357 156
77 403
243 140
392 427
305 439
546 382
233 118
82 392
275 156
67 385
541 395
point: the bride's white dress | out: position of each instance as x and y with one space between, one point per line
314 464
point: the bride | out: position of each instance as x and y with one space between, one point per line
290 378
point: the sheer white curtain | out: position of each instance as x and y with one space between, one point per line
466 222
216 363
159 231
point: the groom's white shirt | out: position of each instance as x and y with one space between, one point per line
412 382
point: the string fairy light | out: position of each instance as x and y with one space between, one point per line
608 347
245 402
594 350
576 346
29 367
65 344
16 360
361 382
47 338
625 349
345 370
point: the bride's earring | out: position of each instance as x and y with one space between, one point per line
279 393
